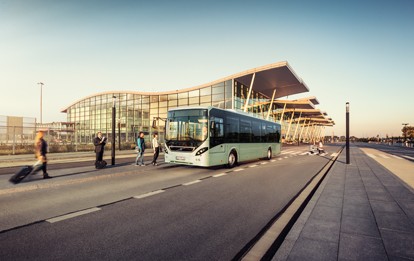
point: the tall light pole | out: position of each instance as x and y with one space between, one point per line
41 96
347 133
113 130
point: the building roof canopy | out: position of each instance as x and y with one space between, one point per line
277 76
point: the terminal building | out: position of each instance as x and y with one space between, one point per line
256 91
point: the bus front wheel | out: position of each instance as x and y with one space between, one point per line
269 154
232 159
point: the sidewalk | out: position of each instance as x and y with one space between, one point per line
361 211
28 159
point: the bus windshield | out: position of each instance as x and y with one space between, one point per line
187 125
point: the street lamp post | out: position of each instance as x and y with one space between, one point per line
41 94
347 133
113 130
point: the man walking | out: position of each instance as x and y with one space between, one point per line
156 147
139 161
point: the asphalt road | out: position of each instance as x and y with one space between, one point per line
190 214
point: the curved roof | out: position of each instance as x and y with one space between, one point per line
279 76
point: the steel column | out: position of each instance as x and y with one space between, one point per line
250 91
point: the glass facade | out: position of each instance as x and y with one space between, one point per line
135 112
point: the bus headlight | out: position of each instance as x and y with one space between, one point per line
201 151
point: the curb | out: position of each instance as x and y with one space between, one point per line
272 239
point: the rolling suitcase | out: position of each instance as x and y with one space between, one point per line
21 174
24 172
100 164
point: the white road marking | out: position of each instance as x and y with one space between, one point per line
407 157
192 182
72 215
273 160
334 154
279 159
219 175
285 157
252 166
149 194
396 157
263 163
371 155
383 156
236 170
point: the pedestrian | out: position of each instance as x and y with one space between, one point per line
156 147
40 153
320 148
139 161
99 143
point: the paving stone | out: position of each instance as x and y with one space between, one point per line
355 199
325 213
398 258
313 250
332 193
333 201
357 210
394 221
400 192
379 195
356 247
321 230
359 226
355 192
398 244
381 206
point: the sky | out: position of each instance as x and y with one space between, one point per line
359 52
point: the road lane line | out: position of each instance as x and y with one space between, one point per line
149 194
219 175
407 157
279 159
72 215
192 182
273 160
263 163
286 157
253 166
237 170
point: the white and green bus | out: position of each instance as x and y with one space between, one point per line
208 136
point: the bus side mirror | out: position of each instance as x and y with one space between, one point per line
154 123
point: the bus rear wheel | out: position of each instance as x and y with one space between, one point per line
232 159
269 154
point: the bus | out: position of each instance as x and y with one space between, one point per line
209 136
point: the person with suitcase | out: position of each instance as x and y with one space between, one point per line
41 164
99 143
40 153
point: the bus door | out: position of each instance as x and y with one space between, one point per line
217 135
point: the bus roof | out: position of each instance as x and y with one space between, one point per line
215 108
